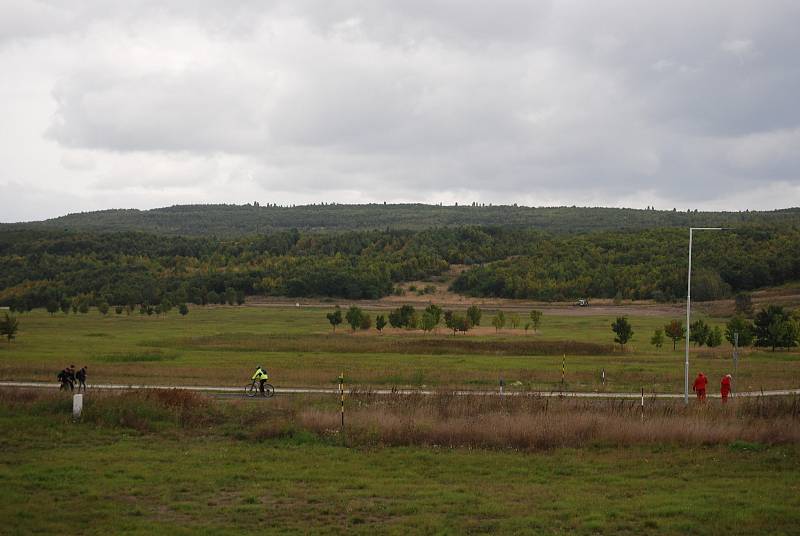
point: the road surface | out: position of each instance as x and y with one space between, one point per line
226 392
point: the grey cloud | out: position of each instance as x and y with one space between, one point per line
682 101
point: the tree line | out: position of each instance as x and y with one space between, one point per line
772 327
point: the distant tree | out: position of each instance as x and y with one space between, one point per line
380 323
52 307
536 319
623 330
744 304
513 320
240 299
83 306
774 327
499 321
166 305
9 327
436 313
183 309
403 317
714 337
230 296
527 326
474 315
657 339
213 297
118 309
741 325
353 317
428 321
395 319
461 322
64 305
335 318
675 331
366 321
699 332
103 307
456 322
158 310
150 310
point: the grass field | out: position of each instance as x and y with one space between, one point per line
181 464
222 345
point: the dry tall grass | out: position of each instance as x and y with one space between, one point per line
444 419
530 423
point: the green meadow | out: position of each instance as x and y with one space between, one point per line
134 466
222 345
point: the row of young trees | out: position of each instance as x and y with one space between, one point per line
772 327
407 317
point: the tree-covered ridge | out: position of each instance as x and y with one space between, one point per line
39 267
241 220
643 265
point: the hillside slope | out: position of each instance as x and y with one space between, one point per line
238 220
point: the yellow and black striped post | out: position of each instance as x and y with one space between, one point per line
341 396
563 370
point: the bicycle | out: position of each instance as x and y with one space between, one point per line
253 390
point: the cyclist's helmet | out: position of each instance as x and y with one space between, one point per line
260 367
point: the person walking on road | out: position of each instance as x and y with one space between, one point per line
262 377
81 377
699 386
725 388
66 379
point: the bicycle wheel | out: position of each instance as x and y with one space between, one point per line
251 390
269 390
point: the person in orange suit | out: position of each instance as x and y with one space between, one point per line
699 386
725 388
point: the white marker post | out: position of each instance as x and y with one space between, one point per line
77 406
642 404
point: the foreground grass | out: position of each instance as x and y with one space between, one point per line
222 345
165 466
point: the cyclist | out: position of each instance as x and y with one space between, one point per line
262 377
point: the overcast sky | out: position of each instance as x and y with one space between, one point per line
621 103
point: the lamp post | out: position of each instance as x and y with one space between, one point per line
688 307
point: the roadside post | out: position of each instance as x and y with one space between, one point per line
642 404
502 385
563 371
341 397
77 406
735 362
603 376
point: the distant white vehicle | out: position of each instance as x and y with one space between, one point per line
582 303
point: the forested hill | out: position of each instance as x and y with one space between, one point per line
61 269
242 220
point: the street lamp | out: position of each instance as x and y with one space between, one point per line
688 306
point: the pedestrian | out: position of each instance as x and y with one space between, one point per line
66 379
699 386
725 388
81 376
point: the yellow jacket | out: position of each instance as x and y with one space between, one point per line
260 375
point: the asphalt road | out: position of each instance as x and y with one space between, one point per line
232 392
